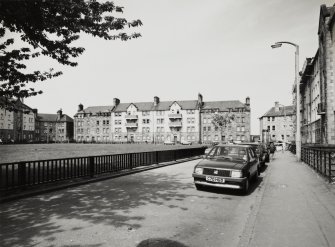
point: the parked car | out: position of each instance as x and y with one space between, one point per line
185 142
227 166
168 142
261 151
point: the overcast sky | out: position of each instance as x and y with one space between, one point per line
219 48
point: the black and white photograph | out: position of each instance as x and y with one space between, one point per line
167 123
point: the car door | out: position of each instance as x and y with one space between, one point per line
253 161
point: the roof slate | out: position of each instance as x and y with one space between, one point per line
223 105
289 110
162 106
46 117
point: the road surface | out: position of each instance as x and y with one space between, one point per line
289 206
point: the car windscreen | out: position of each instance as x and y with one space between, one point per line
228 152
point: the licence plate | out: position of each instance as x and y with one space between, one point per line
214 179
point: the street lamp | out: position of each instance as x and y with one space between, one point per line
298 134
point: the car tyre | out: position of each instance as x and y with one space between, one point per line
199 187
246 186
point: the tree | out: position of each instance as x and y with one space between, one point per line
221 120
48 27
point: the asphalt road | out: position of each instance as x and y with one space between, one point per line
162 207
125 211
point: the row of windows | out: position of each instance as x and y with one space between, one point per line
238 128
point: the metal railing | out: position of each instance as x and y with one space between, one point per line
30 173
321 158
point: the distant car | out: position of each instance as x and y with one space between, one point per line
168 142
185 142
260 150
227 166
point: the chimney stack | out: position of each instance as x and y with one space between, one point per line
200 100
247 101
276 106
156 101
80 107
116 101
59 113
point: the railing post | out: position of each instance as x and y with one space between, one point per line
131 161
22 173
329 167
157 157
92 166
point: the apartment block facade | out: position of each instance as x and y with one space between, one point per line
153 122
317 88
54 127
277 124
17 121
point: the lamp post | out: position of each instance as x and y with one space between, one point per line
284 126
298 134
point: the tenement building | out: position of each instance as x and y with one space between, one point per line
17 121
277 124
310 101
317 88
54 127
158 121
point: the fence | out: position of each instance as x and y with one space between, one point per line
321 158
30 173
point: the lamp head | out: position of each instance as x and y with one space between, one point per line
276 45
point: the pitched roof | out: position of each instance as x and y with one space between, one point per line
223 105
95 109
289 110
46 117
161 106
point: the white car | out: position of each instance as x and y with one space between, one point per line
185 142
168 142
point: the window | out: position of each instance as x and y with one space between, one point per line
97 131
193 129
216 128
243 138
268 127
98 122
160 120
205 120
238 138
145 113
146 121
205 138
204 128
238 129
117 114
242 128
273 118
216 137
243 120
209 128
160 113
273 127
103 122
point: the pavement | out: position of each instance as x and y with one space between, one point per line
297 207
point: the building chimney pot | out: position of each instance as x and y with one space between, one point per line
276 106
247 101
116 101
80 107
156 101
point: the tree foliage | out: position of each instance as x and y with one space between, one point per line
48 27
221 120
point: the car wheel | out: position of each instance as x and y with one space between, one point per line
246 186
199 187
256 176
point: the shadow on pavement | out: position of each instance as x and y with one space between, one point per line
107 203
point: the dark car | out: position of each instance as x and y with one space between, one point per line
261 151
227 166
